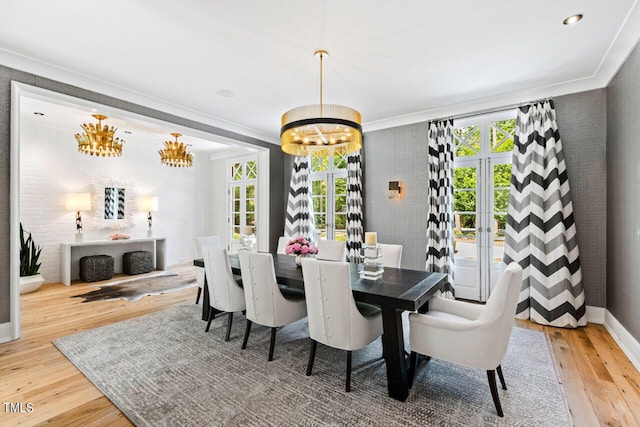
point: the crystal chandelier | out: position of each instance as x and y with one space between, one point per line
330 128
176 153
98 140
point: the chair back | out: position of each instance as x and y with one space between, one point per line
224 292
199 242
334 319
264 301
500 310
332 250
391 255
282 245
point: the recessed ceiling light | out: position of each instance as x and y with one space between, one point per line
37 113
127 132
226 93
570 20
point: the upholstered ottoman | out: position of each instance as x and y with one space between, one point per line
96 267
137 262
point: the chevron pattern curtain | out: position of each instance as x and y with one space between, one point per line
440 198
541 233
355 228
299 221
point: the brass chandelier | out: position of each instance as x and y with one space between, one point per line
325 128
176 153
98 140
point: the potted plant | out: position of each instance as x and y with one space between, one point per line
30 277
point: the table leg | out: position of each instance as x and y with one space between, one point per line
393 350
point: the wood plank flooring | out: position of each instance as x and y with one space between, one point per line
601 385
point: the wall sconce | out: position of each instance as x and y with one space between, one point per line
149 204
78 202
395 190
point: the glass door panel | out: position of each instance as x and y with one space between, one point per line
340 212
319 201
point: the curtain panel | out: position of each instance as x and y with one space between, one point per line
299 221
541 232
355 227
440 198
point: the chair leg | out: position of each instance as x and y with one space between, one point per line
272 343
499 371
230 317
312 356
247 330
348 387
491 374
198 296
211 316
413 361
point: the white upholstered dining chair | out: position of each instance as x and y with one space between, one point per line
225 294
282 245
198 243
332 250
335 319
391 255
266 305
469 334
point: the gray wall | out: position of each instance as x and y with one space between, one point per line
623 208
276 160
401 154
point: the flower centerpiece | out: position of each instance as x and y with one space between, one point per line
301 247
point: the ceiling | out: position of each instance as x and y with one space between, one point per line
241 64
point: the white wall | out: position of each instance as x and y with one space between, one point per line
50 167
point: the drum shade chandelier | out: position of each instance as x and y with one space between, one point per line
98 140
335 128
176 153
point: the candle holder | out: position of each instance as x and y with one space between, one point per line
248 242
372 267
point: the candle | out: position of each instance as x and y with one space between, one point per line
248 231
370 238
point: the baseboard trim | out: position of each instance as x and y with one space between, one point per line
5 332
629 345
595 314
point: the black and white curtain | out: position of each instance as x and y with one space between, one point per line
355 231
440 198
541 232
299 220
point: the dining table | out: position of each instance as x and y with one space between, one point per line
398 290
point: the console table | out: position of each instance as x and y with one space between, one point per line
72 252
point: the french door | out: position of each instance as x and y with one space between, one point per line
242 192
329 196
481 175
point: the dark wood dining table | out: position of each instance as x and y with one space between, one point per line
398 290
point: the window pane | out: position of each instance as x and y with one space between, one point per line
250 220
501 136
319 163
465 241
464 201
465 178
250 205
341 186
236 233
236 171
340 161
251 169
319 187
236 192
251 191
341 203
467 140
236 219
320 220
502 175
499 225
500 200
318 203
236 205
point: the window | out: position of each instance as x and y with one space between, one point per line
243 182
481 179
329 195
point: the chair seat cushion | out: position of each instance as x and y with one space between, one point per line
368 310
289 293
447 316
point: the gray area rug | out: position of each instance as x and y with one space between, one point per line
164 370
133 289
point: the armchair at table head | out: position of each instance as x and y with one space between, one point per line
198 243
391 255
335 319
470 334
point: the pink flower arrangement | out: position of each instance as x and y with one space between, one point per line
301 246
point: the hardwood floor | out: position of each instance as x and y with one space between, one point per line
601 385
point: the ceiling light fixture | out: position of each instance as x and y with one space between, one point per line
98 140
37 113
572 19
176 153
332 128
